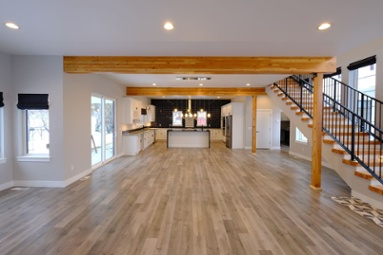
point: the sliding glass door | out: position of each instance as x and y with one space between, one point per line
102 129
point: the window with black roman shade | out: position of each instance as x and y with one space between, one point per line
338 72
361 63
1 99
33 102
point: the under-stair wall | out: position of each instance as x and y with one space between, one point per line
361 184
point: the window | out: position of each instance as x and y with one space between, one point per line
2 160
35 127
37 132
201 119
177 118
363 78
299 137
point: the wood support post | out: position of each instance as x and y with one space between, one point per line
316 165
254 125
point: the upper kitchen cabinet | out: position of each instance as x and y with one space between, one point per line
132 110
151 113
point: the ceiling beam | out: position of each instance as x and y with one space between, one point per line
148 91
199 65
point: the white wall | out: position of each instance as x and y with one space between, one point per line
6 173
40 75
78 89
263 102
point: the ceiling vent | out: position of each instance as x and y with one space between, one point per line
193 78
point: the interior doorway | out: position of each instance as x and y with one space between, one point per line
285 130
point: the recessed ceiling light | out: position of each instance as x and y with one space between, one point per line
218 97
154 84
169 26
12 25
200 84
248 84
324 26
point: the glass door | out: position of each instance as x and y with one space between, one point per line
109 134
102 129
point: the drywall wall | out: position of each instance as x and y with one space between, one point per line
78 89
6 131
39 75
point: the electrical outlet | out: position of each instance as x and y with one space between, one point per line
72 167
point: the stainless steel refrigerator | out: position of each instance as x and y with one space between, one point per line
229 131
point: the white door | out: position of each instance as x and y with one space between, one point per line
264 129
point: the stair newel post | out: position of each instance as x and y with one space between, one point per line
287 92
316 166
335 84
353 137
361 113
301 97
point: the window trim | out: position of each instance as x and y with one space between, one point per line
2 141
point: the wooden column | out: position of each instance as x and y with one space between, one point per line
254 125
316 165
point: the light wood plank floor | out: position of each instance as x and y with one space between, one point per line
189 201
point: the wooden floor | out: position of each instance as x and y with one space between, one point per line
189 201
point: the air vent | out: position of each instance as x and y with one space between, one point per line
193 78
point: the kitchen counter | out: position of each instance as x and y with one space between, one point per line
188 138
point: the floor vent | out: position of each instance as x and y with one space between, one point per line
85 178
361 208
20 188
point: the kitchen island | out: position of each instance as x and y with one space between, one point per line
188 138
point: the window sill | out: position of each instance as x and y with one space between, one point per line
34 158
301 142
3 161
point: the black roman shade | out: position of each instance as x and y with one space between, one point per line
1 99
33 102
338 71
361 63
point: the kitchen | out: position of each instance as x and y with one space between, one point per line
150 120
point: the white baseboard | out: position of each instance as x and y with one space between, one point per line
276 148
6 185
307 158
51 184
42 184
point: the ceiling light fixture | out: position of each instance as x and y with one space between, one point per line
154 84
324 26
248 84
11 25
200 84
193 78
169 26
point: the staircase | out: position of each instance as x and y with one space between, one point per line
355 154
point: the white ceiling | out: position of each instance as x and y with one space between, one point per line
202 28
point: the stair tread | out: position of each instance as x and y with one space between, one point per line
364 174
355 163
376 188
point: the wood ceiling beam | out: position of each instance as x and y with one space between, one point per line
149 91
199 65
